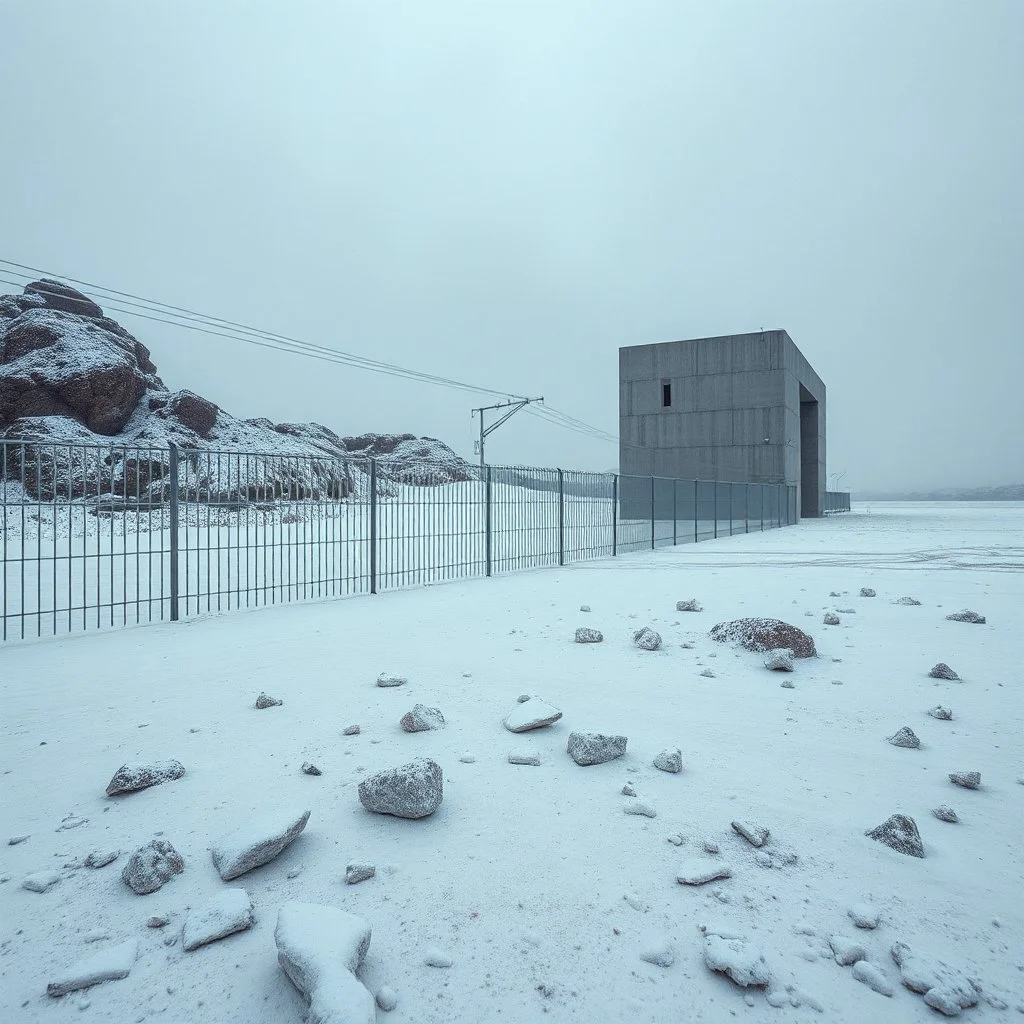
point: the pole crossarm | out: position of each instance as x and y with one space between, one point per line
513 406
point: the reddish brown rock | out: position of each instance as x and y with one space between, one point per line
763 635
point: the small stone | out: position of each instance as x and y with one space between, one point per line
40 881
847 951
387 998
158 922
692 605
834 593
436 957
96 935
905 737
266 701
688 646
661 954
967 616
422 719
677 839
755 834
467 759
968 780
15 840
101 858
257 843
700 870
628 790
764 859
228 912
585 608
70 822
864 915
522 698
780 660
943 671
525 759
909 601
151 866
940 712
647 639
788 684
589 636
868 974
707 673
899 832
641 808
310 769
529 714
710 846
737 958
350 730
413 790
846 611
945 813
356 873
670 760
867 592
587 748
387 679
831 619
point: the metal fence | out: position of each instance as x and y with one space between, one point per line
837 501
101 536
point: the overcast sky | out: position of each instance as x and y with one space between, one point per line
505 192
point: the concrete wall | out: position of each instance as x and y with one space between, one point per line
735 412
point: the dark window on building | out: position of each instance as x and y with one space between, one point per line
666 394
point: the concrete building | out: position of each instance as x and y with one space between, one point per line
743 407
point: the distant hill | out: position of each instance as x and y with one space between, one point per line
1008 492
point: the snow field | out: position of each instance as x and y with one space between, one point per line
533 881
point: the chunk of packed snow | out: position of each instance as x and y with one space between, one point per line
700 870
256 843
436 957
40 881
660 953
944 989
738 959
228 912
110 964
864 915
754 833
847 951
874 977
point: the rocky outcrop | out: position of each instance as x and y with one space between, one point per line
763 635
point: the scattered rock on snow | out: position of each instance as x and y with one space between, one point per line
967 616
387 998
788 684
847 951
158 921
693 605
101 858
908 601
905 737
864 915
266 701
350 730
737 958
436 957
710 846
670 760
308 768
647 639
256 843
70 822
707 673
422 719
320 948
899 833
628 790
532 713
356 873
109 964
868 974
763 635
15 840
585 635
152 865
831 619
413 790
525 759
131 778
641 808
764 859
867 592
699 870
968 780
943 988
585 608
228 912
780 660
945 813
389 679
943 671
660 953
587 748
522 698
40 881
940 712
755 834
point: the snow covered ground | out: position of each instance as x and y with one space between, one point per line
532 880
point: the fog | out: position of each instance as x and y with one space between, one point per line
506 192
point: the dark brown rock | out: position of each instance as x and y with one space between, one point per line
191 411
58 295
763 635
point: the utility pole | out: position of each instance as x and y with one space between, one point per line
512 406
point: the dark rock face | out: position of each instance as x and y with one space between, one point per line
763 635
63 297
191 411
899 833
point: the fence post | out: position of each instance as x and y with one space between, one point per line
373 526
675 512
746 507
715 485
561 518
653 530
696 516
615 514
173 471
760 487
487 523
732 498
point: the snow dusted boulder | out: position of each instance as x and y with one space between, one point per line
151 866
868 974
414 790
863 915
661 953
422 719
847 951
110 964
524 759
945 813
101 858
256 843
585 635
640 808
909 602
941 713
899 833
831 619
867 592
264 700
647 639
693 605
587 748
670 760
40 881
967 616
320 948
763 635
780 660
737 958
61 296
967 780
356 873
943 671
387 998
308 768
228 912
132 778
754 833
532 713
437 957
700 870
389 679
944 989
905 737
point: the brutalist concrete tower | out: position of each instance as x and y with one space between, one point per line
742 407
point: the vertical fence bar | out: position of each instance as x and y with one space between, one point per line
373 526
675 512
615 514
746 508
173 461
715 487
561 518
696 516
487 522
653 532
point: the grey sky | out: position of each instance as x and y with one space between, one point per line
506 192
